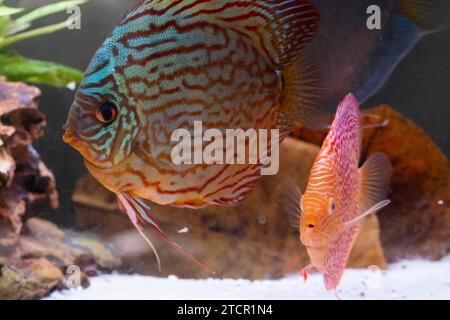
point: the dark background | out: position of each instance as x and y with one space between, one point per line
419 87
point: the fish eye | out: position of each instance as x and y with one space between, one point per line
310 226
107 113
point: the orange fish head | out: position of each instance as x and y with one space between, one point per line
312 231
316 222
99 129
314 238
104 120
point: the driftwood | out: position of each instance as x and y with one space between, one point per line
252 240
34 253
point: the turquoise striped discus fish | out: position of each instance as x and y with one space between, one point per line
229 64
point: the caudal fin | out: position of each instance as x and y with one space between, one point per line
427 14
138 212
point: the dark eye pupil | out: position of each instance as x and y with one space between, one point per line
108 112
310 226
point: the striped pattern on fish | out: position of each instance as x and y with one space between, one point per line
339 195
170 63
194 68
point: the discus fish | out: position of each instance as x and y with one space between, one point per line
360 60
339 195
170 63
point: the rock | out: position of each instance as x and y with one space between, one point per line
34 279
252 240
417 222
42 258
44 230
26 184
103 256
38 258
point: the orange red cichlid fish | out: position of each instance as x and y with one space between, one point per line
169 63
339 195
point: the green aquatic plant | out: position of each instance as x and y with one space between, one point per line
15 26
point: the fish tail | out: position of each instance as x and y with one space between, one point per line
427 14
304 79
138 211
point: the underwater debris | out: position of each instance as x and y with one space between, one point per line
183 230
34 253
229 239
417 222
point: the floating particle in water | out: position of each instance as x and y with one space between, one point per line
183 230
440 202
262 219
71 85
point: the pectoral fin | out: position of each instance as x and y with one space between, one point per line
374 183
289 203
374 178
138 211
371 210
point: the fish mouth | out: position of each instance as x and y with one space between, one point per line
91 159
71 138
316 247
314 242
317 255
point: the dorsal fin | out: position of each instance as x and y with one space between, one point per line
278 28
374 180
